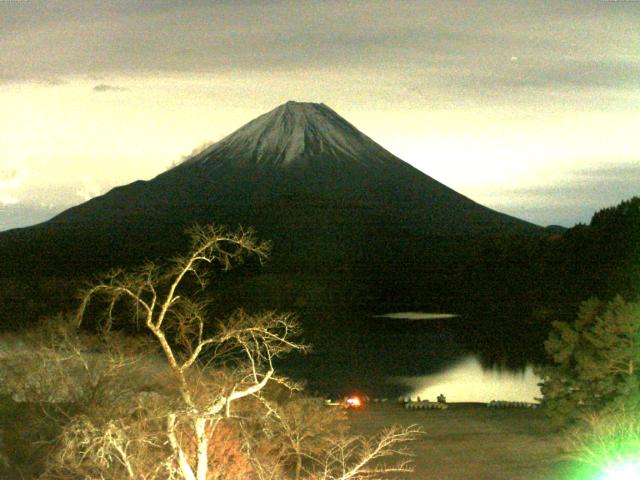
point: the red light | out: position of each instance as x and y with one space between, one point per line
354 402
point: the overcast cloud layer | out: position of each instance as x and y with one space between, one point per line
523 106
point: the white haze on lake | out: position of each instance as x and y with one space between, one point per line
468 381
417 315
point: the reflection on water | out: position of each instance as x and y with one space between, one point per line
467 381
417 315
432 351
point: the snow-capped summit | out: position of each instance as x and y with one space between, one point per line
296 133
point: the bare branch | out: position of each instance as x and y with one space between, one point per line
363 458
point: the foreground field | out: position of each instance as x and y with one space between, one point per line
473 442
464 442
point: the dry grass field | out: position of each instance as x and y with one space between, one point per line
473 442
464 442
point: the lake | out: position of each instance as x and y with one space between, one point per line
467 378
466 357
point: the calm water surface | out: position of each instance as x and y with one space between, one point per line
465 357
472 372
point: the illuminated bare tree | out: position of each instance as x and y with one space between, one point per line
244 347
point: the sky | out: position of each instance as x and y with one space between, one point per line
527 107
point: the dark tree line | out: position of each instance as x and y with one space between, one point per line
601 259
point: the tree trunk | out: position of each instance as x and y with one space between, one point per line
203 448
183 463
298 463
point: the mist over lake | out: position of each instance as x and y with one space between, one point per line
468 381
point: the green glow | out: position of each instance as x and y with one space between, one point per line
623 471
618 469
618 459
608 447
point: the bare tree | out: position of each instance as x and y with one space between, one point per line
300 430
55 362
245 346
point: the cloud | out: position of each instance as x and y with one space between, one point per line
10 180
46 80
625 173
574 198
437 54
592 182
89 189
601 73
7 174
108 88
81 38
17 216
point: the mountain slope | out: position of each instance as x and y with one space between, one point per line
306 153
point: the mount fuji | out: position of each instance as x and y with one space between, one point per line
298 153
329 197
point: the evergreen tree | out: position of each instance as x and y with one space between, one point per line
595 361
